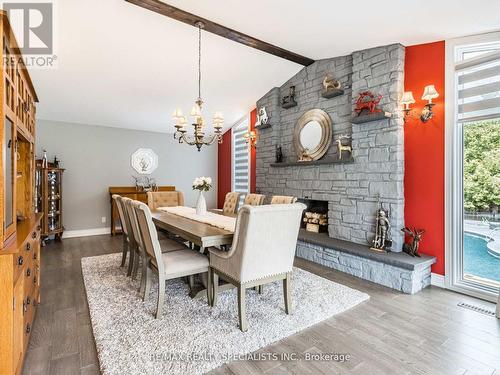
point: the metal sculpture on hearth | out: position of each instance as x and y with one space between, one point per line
382 240
416 236
367 101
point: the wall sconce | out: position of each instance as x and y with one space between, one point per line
429 94
250 138
407 99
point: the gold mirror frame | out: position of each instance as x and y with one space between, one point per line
326 137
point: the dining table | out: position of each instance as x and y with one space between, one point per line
201 235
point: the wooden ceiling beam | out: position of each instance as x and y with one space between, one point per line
225 32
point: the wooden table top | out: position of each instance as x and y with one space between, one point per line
201 234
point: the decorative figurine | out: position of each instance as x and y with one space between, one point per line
289 100
344 147
279 154
45 163
381 241
55 163
416 236
330 83
367 102
262 118
305 156
331 87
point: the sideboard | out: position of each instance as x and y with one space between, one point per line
132 193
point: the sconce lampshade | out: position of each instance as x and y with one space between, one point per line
430 93
407 98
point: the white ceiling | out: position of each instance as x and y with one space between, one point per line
123 66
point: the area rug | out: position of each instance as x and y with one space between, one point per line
191 337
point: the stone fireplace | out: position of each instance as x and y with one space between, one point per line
352 187
317 207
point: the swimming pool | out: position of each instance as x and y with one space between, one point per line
477 260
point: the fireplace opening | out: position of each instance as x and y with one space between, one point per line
315 216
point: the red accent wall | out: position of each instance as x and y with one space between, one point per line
424 150
253 153
224 168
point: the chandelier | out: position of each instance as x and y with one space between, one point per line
198 138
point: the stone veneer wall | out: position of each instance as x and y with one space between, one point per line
378 168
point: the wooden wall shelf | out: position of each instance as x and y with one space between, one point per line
332 93
311 163
371 117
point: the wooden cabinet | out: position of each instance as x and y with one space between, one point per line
132 193
20 225
19 293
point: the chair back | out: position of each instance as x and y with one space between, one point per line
134 225
149 235
165 199
265 240
254 199
124 219
283 199
231 203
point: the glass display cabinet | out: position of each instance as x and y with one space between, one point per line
48 182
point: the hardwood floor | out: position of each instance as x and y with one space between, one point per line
392 333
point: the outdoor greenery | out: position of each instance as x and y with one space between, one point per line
482 166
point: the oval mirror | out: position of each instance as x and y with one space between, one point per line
312 135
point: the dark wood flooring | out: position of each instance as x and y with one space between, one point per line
392 333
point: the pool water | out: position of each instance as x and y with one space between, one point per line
477 260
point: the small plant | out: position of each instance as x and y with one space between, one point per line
202 183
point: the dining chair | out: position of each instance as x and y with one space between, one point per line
231 203
165 199
283 199
263 251
254 199
133 244
166 244
169 265
125 227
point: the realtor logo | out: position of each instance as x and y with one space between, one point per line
33 25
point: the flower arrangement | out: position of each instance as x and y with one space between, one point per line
202 183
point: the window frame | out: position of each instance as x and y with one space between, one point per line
235 130
454 168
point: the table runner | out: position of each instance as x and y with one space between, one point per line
216 220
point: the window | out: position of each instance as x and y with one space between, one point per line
473 149
241 158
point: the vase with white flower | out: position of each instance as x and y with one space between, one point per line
202 184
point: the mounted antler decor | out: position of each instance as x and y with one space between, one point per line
416 235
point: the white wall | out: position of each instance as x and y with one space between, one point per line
97 157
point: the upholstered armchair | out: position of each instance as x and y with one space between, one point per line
165 199
283 199
231 203
262 251
254 199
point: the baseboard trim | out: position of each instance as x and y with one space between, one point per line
437 280
86 232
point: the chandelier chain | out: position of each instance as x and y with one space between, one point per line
199 61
